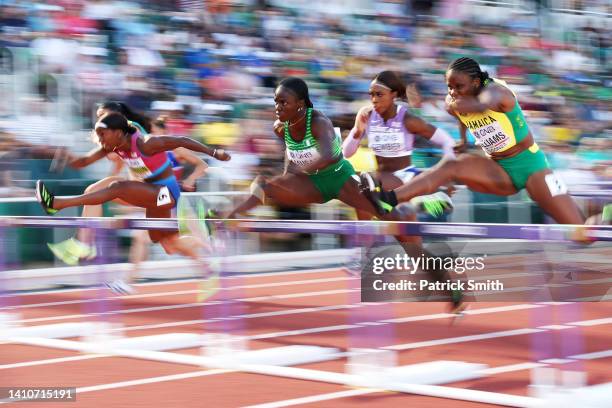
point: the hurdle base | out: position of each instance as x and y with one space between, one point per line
51 331
8 322
378 368
595 396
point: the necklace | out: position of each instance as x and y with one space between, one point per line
297 121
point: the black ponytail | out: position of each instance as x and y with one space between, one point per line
126 111
470 67
115 120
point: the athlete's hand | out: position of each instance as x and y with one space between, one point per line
188 185
222 155
460 147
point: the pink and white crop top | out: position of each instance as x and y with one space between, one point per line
143 166
389 139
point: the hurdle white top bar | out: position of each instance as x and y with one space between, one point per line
548 232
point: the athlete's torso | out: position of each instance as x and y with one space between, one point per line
143 166
306 152
496 132
389 138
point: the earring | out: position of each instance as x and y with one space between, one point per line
300 109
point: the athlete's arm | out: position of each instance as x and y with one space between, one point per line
289 166
323 132
279 129
184 155
462 145
91 157
351 143
494 97
117 163
437 136
159 144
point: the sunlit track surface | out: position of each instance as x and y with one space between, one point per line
310 308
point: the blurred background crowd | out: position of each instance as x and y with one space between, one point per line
211 66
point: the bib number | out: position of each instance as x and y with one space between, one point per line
555 185
163 197
491 138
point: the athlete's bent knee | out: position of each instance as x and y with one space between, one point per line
258 188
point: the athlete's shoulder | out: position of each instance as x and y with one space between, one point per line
279 127
500 94
320 121
499 86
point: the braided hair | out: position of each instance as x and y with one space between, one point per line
298 87
470 67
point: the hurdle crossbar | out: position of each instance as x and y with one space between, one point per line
547 232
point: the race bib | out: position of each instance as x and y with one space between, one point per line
555 184
384 140
304 157
492 138
163 197
137 167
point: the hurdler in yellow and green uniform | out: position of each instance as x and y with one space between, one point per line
329 180
496 132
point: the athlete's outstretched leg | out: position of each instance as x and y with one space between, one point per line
292 190
478 173
135 193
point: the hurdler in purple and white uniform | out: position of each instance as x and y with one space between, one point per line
390 130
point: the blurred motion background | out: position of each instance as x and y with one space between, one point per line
211 67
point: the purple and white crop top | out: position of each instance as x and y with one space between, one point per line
143 166
389 139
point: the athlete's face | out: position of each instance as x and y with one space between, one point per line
381 97
287 106
461 84
109 139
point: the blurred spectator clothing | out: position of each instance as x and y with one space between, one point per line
223 60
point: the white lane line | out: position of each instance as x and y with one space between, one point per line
186 305
180 281
296 295
316 398
284 312
239 277
51 361
510 368
556 361
592 356
462 339
555 327
180 292
454 340
299 332
595 322
152 380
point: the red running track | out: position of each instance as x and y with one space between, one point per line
310 308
